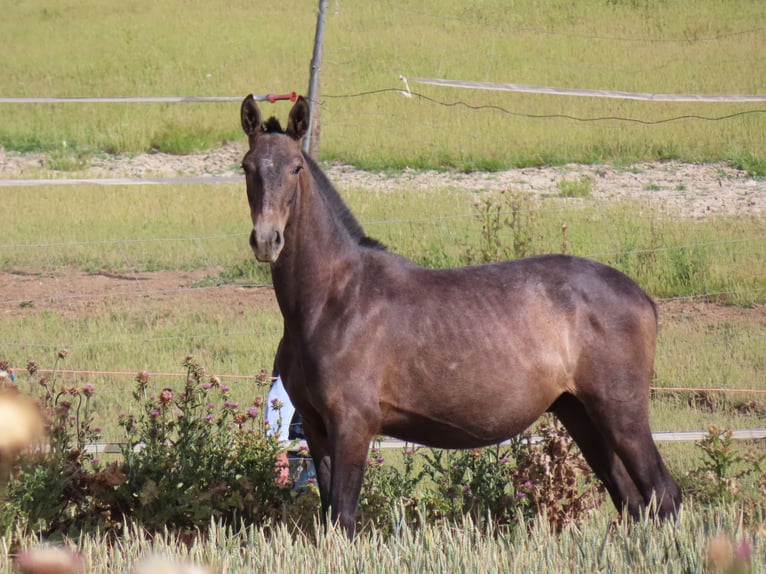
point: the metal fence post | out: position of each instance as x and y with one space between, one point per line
311 141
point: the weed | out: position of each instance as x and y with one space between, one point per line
581 187
508 227
721 477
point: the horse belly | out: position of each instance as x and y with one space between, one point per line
468 412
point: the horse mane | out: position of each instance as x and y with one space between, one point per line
272 126
338 206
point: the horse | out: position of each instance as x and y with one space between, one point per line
374 344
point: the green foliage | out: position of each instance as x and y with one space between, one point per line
581 187
386 485
177 48
186 459
724 473
508 228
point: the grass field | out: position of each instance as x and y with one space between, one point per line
598 545
176 48
233 329
63 241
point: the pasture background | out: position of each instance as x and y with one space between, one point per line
142 48
218 308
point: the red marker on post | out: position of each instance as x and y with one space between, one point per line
271 98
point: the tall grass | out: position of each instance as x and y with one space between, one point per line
233 48
597 545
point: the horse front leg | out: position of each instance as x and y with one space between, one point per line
319 448
350 447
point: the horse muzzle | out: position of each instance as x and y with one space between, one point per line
267 243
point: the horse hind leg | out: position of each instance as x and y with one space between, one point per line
624 427
599 453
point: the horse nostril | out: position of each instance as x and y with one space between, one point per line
252 238
278 238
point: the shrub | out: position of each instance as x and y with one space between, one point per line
186 458
727 476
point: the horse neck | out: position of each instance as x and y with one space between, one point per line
317 244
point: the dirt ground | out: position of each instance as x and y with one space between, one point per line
690 190
74 292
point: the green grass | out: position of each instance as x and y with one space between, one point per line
233 48
597 545
139 228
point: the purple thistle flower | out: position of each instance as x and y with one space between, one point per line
230 405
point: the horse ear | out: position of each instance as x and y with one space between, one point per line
298 122
250 116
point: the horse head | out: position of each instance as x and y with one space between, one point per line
275 169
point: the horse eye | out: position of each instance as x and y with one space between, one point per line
297 169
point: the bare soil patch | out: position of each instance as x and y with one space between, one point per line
689 189
75 292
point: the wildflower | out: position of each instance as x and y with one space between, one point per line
88 390
142 377
32 367
528 485
263 376
520 495
205 386
49 560
282 467
209 418
230 405
211 406
276 404
240 419
63 353
43 382
380 460
258 401
154 414
224 389
63 408
719 552
408 451
166 396
742 553
252 412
